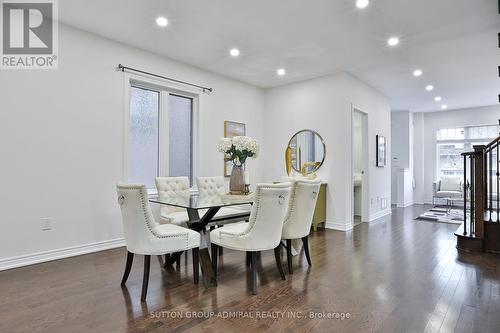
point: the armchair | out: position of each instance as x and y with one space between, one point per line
299 218
144 236
262 232
169 187
447 187
212 188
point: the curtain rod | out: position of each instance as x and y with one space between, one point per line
123 68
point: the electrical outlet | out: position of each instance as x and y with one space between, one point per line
46 223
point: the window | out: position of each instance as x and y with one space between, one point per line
160 135
143 136
452 142
180 143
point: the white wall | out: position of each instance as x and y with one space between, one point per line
399 148
61 134
446 119
418 157
325 105
402 130
400 124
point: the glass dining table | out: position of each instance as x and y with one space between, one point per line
207 207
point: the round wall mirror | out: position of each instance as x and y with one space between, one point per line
307 151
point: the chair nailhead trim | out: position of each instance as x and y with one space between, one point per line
148 223
146 218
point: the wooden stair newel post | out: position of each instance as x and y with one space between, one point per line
479 190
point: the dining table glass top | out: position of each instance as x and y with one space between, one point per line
195 201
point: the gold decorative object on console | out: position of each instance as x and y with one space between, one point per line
304 170
288 160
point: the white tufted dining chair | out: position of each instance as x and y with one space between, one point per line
211 189
144 236
262 232
169 187
300 214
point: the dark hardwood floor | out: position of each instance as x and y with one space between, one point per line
393 275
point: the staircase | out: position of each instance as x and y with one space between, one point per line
480 231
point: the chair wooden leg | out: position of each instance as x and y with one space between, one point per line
196 264
178 262
289 255
128 266
249 259
145 278
277 256
214 258
167 262
253 264
220 251
305 241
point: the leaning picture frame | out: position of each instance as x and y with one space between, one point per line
232 129
381 151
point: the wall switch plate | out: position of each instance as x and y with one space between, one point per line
46 223
383 203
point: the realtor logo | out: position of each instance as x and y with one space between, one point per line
29 34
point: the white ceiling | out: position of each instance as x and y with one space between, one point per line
453 41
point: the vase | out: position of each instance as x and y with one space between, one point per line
237 180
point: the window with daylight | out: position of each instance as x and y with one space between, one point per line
452 142
160 135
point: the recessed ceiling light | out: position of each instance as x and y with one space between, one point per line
362 3
417 72
438 98
393 41
281 72
430 87
444 106
162 21
234 52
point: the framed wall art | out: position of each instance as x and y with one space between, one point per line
232 129
381 151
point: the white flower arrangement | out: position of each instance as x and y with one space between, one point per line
238 149
224 145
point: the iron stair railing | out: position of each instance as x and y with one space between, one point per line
481 188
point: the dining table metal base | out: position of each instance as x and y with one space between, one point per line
210 207
199 224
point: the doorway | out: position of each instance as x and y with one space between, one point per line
359 166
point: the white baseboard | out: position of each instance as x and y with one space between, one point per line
380 214
338 226
346 227
50 255
406 204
